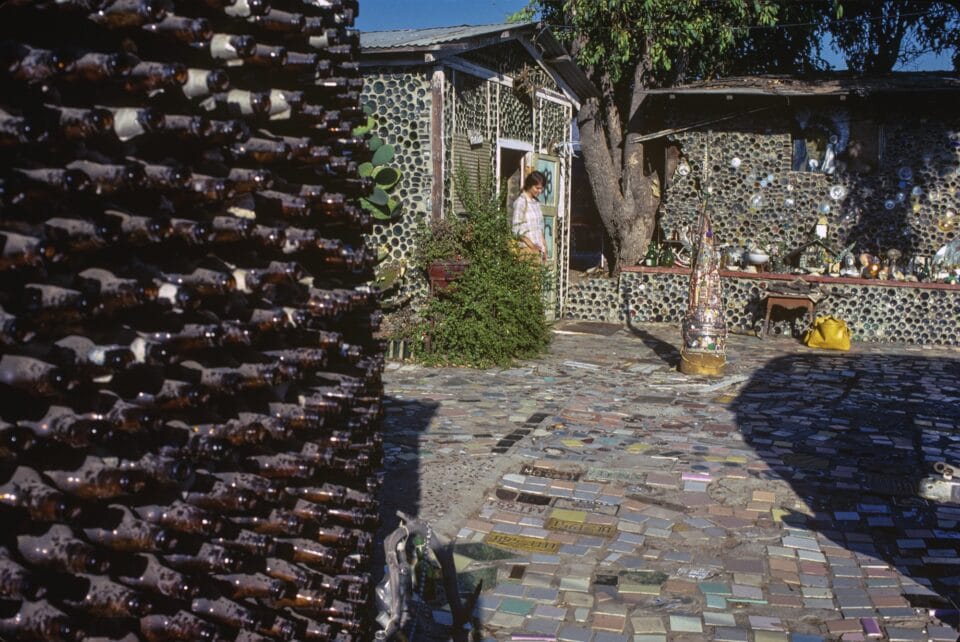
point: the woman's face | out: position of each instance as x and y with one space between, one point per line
535 190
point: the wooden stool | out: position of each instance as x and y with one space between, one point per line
788 302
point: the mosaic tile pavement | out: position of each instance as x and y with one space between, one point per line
601 496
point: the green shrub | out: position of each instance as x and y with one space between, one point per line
494 313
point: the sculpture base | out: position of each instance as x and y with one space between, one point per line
700 363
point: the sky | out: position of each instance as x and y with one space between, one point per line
377 15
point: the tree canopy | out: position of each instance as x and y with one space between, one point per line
629 46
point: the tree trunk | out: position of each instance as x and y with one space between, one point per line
625 197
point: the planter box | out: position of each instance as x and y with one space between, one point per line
443 273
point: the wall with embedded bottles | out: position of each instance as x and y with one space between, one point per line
874 313
190 394
905 195
401 102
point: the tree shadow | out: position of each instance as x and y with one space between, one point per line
668 352
856 436
404 423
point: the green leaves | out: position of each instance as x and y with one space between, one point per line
383 154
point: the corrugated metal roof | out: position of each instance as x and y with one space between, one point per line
433 36
451 39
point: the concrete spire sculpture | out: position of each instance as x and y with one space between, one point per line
703 329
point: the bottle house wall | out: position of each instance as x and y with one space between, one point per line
190 395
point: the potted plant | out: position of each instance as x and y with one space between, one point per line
441 248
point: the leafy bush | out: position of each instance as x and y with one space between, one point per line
494 313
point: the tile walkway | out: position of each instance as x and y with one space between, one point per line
602 496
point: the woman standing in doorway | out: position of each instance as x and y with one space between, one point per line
527 216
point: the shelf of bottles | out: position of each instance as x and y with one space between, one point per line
190 394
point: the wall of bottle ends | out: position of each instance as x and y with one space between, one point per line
401 104
909 202
189 393
874 313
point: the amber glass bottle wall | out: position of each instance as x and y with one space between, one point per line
190 395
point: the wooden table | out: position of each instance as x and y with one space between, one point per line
788 302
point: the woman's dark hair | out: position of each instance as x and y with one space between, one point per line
534 178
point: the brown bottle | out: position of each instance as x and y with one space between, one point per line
162 470
137 230
25 490
183 517
225 612
303 359
261 486
209 189
190 31
110 292
107 179
17 583
279 22
280 466
10 330
209 558
91 358
247 8
223 498
94 479
229 229
147 573
72 235
181 626
250 544
41 622
173 395
17 130
260 151
62 425
32 375
60 180
333 494
154 76
94 67
303 64
27 64
277 522
203 82
254 279
120 530
73 123
282 205
266 57
184 128
17 250
296 417
322 557
122 14
248 180
204 282
59 549
257 586
128 122
98 596
230 47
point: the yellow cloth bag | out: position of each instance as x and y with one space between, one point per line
828 332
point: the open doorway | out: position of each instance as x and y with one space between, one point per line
509 167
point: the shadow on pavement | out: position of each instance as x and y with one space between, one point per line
668 352
856 436
405 421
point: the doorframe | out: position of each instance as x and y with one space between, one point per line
512 144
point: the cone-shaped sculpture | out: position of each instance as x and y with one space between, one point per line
703 329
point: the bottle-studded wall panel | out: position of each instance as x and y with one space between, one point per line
190 394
